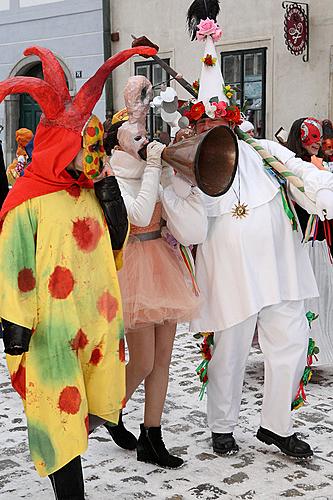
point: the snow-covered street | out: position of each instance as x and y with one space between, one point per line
256 472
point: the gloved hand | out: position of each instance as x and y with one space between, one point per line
16 338
154 153
324 204
182 187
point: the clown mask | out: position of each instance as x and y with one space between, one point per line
93 150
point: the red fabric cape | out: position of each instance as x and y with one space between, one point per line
54 149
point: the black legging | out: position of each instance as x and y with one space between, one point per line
67 482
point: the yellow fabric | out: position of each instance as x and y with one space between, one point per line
119 254
59 278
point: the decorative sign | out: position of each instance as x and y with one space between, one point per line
296 28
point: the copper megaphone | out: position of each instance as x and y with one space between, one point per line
208 160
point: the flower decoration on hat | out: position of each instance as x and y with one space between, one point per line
208 27
208 60
218 99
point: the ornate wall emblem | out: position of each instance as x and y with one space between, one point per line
296 28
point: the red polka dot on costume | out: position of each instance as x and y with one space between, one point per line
26 280
87 232
96 356
61 283
80 341
122 350
107 306
74 191
91 131
70 400
18 379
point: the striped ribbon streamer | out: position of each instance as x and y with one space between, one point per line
189 263
279 171
270 160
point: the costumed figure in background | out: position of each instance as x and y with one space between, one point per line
253 270
305 138
59 299
327 143
24 139
247 127
154 283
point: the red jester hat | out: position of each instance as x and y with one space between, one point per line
58 136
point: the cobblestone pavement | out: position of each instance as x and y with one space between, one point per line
256 472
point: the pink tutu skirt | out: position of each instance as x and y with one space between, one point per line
155 285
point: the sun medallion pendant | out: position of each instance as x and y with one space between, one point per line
240 210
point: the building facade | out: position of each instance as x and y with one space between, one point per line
73 29
278 86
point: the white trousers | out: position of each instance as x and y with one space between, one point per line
283 337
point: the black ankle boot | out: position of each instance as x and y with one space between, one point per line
67 482
121 436
224 444
289 445
151 449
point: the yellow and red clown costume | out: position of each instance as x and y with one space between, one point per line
59 279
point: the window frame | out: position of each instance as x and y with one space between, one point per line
151 63
242 53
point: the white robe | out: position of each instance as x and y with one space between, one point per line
247 264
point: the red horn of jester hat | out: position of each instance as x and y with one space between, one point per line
58 136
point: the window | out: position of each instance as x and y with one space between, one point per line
246 70
157 76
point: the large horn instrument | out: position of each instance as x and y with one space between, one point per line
208 160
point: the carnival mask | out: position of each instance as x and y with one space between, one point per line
93 149
132 135
311 131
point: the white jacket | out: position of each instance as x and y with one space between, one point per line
185 213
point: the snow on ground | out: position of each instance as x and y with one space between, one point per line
256 472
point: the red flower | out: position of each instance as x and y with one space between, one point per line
233 115
196 111
196 85
209 60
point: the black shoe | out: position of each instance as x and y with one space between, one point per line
290 445
224 444
121 436
151 449
67 482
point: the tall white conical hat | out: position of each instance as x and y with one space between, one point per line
211 80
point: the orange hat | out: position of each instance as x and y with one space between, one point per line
23 136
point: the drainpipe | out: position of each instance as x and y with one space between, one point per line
106 12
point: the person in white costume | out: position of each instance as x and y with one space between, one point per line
253 270
247 127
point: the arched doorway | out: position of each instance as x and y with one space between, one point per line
22 110
29 110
